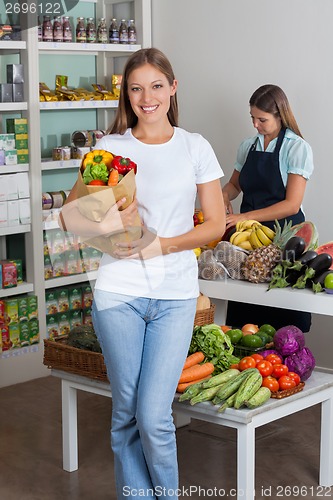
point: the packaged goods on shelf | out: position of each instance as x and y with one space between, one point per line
9 274
19 321
15 73
19 269
3 214
24 211
17 125
7 141
115 84
64 323
45 94
6 92
18 92
13 213
2 157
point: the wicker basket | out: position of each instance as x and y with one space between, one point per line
205 316
288 392
60 356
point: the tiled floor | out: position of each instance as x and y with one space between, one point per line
287 451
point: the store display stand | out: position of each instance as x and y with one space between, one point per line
318 390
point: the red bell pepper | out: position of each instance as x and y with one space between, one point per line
123 165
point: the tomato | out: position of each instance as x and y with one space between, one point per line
295 377
265 368
286 382
247 362
235 366
274 359
97 182
280 370
257 357
271 383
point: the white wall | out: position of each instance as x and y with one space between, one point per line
221 51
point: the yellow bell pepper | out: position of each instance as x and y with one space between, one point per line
98 156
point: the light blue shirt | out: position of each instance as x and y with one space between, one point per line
295 154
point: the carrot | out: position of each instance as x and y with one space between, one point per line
194 359
184 385
196 372
113 177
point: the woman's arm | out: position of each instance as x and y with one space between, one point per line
70 218
295 190
213 227
231 190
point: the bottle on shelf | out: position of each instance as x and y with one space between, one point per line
114 31
47 29
57 29
67 30
81 35
131 32
91 30
102 32
40 30
123 32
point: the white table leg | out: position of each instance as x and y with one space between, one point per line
69 427
326 444
245 462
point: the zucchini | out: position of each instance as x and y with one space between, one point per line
259 398
248 388
228 403
221 378
232 386
205 395
191 391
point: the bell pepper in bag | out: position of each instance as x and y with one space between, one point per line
123 165
98 156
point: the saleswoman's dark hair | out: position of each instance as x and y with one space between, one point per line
271 99
125 117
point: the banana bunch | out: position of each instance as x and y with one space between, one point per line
251 234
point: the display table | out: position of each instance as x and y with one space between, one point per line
318 389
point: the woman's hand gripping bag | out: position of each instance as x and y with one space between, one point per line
96 197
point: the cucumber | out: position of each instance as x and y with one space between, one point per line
248 388
259 398
232 385
221 378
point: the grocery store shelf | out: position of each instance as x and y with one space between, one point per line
87 48
70 280
22 228
12 45
59 105
286 298
62 164
17 290
13 169
13 106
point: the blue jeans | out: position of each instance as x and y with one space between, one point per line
144 343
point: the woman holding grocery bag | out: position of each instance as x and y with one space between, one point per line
271 172
146 291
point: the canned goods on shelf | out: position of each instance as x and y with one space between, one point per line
61 153
53 199
82 138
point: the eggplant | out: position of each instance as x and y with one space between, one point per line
319 264
307 257
322 262
320 277
294 248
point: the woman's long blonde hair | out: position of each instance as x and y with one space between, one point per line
125 117
271 99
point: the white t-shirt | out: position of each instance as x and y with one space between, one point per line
166 181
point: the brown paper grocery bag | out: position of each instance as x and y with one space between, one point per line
95 201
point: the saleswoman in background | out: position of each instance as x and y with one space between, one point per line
271 172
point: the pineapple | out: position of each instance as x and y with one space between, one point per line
259 264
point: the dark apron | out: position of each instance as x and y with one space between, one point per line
262 185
